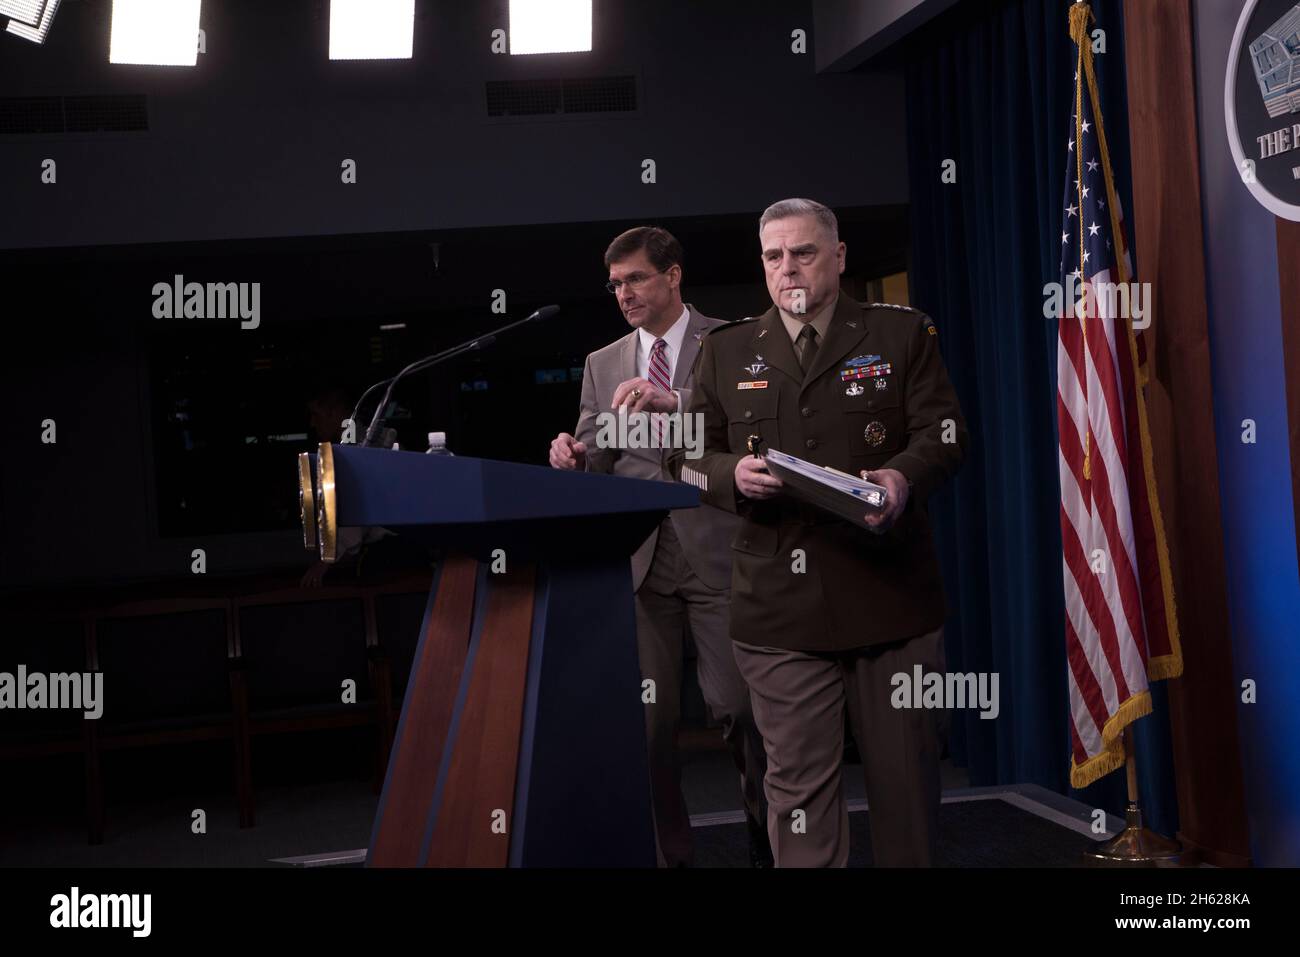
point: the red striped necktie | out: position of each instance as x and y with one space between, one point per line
661 379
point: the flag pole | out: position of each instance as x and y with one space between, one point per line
1135 845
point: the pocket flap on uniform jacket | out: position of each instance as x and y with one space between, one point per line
755 539
755 404
753 412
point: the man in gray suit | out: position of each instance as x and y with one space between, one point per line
682 573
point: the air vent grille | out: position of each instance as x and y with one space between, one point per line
23 115
606 94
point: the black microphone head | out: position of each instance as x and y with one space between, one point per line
545 313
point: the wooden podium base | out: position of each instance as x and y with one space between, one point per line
522 736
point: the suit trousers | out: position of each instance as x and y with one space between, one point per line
799 700
670 600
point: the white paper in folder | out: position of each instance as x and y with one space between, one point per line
837 492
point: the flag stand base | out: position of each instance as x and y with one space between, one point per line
1136 846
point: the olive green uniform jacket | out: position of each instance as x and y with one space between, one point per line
877 396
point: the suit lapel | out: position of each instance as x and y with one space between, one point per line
696 327
771 342
846 332
627 358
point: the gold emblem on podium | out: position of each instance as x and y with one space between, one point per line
326 505
306 502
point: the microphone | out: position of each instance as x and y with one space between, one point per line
546 312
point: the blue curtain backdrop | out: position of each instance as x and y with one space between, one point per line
990 86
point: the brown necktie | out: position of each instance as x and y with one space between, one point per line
808 349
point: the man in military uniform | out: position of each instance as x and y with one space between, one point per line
824 613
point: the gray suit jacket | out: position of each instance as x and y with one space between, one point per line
705 532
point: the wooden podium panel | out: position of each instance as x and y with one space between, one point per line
473 815
412 777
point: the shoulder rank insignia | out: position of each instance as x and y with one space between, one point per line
890 305
731 325
927 321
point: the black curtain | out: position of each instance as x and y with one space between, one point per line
990 87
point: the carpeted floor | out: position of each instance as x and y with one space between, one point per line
985 833
42 824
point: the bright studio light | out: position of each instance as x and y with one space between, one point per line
155 32
550 26
371 29
29 19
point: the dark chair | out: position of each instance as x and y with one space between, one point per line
168 678
397 613
46 645
296 647
399 617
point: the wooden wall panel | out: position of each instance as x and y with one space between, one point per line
1169 246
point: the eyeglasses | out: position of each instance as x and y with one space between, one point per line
634 281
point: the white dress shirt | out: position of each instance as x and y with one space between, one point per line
672 349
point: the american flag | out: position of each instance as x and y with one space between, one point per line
1120 626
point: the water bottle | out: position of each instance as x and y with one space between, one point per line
438 444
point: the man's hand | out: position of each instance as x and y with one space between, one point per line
567 452
753 480
647 398
895 484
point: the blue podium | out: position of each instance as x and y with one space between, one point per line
522 735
